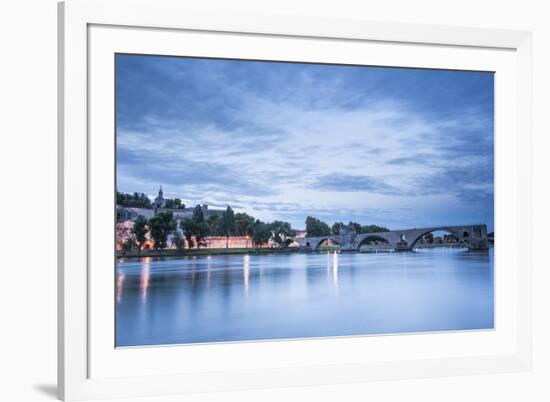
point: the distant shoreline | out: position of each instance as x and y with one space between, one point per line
251 251
207 251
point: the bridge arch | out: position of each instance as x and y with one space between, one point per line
459 234
292 243
327 239
371 238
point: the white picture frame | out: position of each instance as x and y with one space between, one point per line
89 366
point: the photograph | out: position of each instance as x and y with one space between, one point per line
275 201
268 200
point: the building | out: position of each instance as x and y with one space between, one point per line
159 205
160 202
187 213
130 214
300 233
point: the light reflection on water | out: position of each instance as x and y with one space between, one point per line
230 298
246 271
335 269
144 277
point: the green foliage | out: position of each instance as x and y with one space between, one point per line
373 229
188 228
200 227
129 245
161 226
315 227
357 226
336 228
135 200
213 223
198 215
195 229
242 223
228 224
140 230
177 239
429 238
201 231
364 229
280 231
173 203
260 232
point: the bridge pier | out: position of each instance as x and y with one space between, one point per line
402 246
474 237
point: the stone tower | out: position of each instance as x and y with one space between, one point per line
160 201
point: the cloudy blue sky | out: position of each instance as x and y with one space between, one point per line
388 146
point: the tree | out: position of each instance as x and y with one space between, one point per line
242 223
280 232
429 238
140 231
374 229
201 231
198 214
315 227
228 224
199 227
336 228
129 244
145 201
177 239
161 226
260 233
195 229
135 200
213 223
188 228
357 226
173 203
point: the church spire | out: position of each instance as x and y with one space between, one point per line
159 201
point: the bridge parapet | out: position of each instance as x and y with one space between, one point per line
473 236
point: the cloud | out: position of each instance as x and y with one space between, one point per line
349 183
418 159
285 140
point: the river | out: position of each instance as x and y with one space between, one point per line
276 296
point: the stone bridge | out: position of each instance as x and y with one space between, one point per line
473 236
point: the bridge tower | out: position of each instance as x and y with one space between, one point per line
478 238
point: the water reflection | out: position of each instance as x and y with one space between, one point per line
332 268
335 269
208 266
246 271
225 298
119 286
144 279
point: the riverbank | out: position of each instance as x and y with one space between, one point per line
258 251
206 251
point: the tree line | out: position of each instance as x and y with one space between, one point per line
194 230
318 228
135 200
140 200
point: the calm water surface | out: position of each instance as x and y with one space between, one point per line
232 298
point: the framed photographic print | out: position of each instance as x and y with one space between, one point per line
244 198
